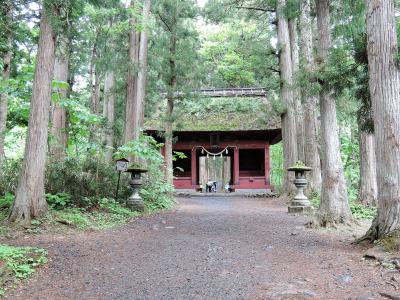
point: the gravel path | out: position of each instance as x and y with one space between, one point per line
209 248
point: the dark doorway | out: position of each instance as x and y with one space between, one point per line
251 162
183 166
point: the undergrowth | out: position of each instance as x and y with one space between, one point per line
95 214
357 209
18 263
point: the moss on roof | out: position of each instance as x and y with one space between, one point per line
219 114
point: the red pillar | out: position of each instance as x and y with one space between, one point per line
236 166
267 165
194 166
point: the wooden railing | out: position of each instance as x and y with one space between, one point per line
227 92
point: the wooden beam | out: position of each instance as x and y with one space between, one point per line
236 166
194 166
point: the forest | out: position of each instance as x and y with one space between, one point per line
82 80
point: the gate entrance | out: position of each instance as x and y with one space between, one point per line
216 168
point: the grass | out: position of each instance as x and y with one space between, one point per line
17 263
106 213
95 220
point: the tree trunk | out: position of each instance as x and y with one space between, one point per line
384 84
288 118
108 112
29 198
334 206
142 74
8 11
94 80
170 103
368 190
310 102
58 143
131 107
294 46
168 142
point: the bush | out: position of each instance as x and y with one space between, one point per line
9 176
361 212
156 192
84 181
6 201
59 201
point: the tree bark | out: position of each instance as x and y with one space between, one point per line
142 74
294 46
170 102
8 12
108 112
384 84
368 190
168 139
131 106
310 101
94 80
288 118
29 198
58 144
334 207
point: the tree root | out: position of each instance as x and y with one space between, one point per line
325 221
65 222
392 297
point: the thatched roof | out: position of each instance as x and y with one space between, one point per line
219 114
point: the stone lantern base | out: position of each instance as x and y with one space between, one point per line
293 209
135 204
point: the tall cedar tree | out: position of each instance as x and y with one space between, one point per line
176 18
58 115
310 101
7 14
289 133
384 85
29 197
137 73
334 207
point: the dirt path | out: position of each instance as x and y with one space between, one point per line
209 248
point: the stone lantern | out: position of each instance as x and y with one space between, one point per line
300 203
135 202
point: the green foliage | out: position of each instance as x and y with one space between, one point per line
75 216
6 201
108 214
22 261
59 201
78 182
156 192
358 210
315 199
9 176
238 53
277 166
221 114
